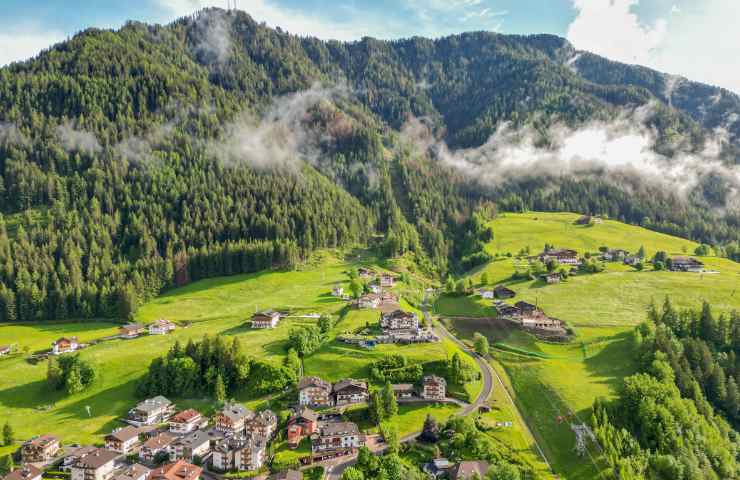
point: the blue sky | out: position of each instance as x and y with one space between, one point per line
698 39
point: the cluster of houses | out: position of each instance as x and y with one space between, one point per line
530 317
397 326
686 264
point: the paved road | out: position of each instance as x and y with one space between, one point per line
334 469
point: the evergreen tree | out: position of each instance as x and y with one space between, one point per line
8 434
6 464
219 390
481 344
430 432
376 409
390 404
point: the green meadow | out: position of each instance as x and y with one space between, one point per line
555 385
219 306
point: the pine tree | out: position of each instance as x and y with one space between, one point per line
430 432
390 404
732 400
375 408
481 344
219 389
6 464
8 435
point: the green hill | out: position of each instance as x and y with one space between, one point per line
561 381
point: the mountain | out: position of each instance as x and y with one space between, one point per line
139 159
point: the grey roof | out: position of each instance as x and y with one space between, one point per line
236 412
160 441
96 459
26 472
152 404
402 387
340 428
195 439
349 382
465 470
124 434
306 382
307 413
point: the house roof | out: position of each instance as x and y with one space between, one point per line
434 379
26 472
160 441
161 322
4 348
96 459
402 387
66 340
398 313
124 434
133 472
186 416
265 417
152 404
132 327
267 314
42 441
307 414
180 470
236 412
339 428
465 470
349 383
690 260
306 382
525 306
195 439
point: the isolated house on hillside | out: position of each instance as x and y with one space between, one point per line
337 291
161 327
386 280
686 264
550 278
469 469
40 449
502 292
64 345
5 350
131 330
266 319
563 256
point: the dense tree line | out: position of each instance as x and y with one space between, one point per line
212 367
670 420
111 193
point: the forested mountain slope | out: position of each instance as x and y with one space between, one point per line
215 145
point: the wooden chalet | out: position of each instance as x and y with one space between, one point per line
265 319
501 292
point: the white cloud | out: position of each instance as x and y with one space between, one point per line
610 28
697 40
25 41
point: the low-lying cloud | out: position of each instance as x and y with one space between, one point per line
74 140
622 149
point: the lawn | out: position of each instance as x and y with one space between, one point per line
554 381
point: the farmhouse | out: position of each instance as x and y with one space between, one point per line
550 278
122 440
399 320
155 445
632 260
337 291
161 327
503 292
266 319
40 449
404 390
180 470
5 350
562 255
337 438
26 472
195 445
233 418
615 255
97 465
131 330
365 272
506 311
686 264
74 455
314 392
186 421
469 469
348 391
262 425
151 411
433 388
64 345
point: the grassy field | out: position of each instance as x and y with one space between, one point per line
555 385
219 306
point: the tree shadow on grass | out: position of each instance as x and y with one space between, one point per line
614 362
